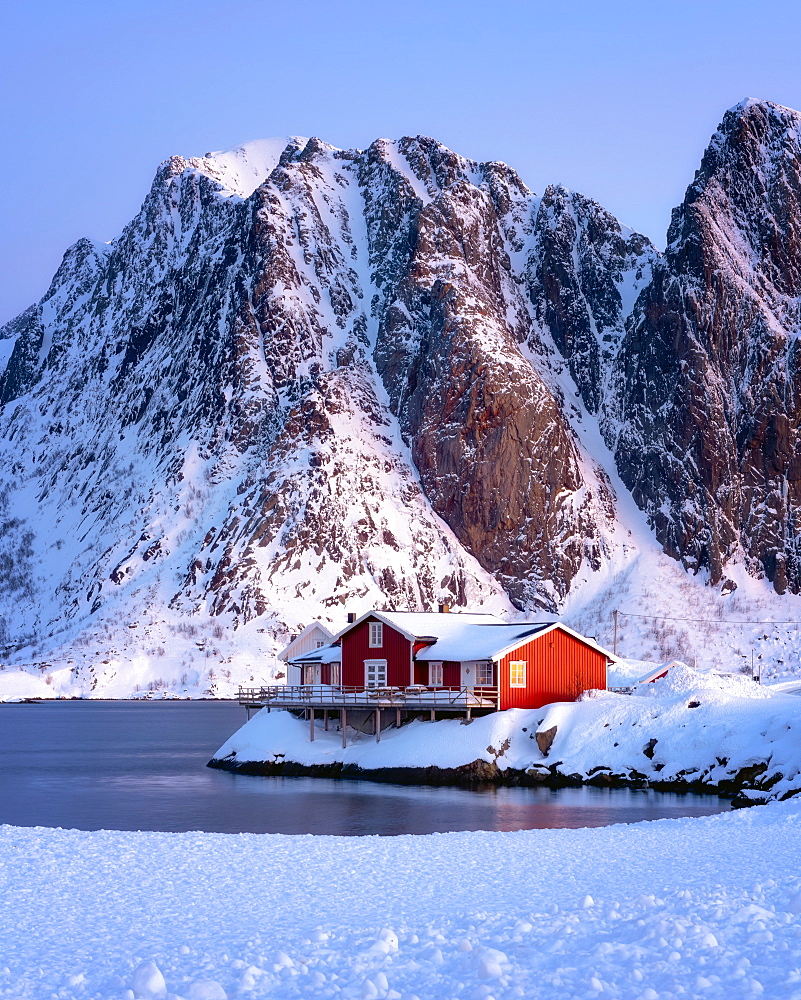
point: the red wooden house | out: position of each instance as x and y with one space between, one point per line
518 666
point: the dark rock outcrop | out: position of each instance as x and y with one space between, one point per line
707 397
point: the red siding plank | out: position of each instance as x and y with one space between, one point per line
451 674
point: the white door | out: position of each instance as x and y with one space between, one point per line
375 673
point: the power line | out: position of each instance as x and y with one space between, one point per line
709 621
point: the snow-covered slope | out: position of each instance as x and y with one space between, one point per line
306 380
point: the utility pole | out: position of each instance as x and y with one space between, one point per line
614 644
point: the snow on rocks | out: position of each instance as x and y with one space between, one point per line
690 729
679 908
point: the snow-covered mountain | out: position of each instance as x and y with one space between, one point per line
307 380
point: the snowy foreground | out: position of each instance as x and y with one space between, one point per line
675 908
691 727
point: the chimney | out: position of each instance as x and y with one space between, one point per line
444 609
351 618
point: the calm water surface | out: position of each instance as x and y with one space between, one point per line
141 766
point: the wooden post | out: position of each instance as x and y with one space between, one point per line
397 718
469 710
433 714
325 719
343 718
311 725
378 725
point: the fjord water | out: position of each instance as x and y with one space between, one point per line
141 766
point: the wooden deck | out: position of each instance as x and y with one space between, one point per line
333 696
339 699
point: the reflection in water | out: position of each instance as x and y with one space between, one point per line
141 766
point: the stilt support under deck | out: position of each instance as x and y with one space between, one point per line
378 725
343 719
311 724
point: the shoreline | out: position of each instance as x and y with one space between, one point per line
741 789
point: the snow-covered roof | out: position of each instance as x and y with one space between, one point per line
325 654
427 624
286 652
465 636
491 642
660 671
480 642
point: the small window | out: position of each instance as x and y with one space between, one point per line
517 673
335 673
308 673
320 644
375 672
435 673
376 635
485 673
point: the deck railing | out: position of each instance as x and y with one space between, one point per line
338 695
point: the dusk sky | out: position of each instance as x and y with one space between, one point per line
614 99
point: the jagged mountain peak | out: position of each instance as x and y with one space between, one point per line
743 208
243 168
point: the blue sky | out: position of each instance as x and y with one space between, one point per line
615 99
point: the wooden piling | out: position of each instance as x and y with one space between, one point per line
343 717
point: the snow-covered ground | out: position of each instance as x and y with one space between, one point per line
652 911
687 727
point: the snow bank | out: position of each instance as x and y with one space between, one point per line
703 907
692 729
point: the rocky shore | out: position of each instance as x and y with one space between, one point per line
746 786
688 732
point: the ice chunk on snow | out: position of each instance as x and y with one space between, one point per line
206 989
148 981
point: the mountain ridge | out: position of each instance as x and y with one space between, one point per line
396 375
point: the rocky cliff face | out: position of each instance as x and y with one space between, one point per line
304 377
707 384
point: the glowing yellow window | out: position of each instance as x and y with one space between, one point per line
517 673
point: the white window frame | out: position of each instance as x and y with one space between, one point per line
320 643
310 673
520 674
485 673
336 674
435 673
376 635
375 673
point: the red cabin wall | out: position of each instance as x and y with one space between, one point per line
396 650
558 668
451 674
